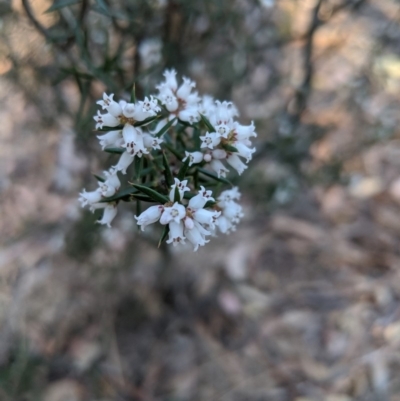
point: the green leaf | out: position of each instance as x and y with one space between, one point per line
105 128
138 162
133 94
121 195
99 178
184 168
58 4
166 127
143 198
213 176
167 171
188 195
164 235
138 208
210 204
151 193
196 138
117 151
230 148
207 123
172 150
177 195
148 120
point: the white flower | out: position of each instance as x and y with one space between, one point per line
224 112
207 157
110 211
219 168
168 99
110 105
112 138
170 79
111 185
96 206
190 115
198 201
210 140
176 213
219 154
228 195
206 105
244 151
206 217
195 237
224 225
105 119
176 233
244 132
150 106
150 141
124 162
88 198
185 89
233 212
236 163
134 141
189 223
149 216
129 110
181 185
194 157
223 130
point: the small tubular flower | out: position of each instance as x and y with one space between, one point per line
198 201
195 237
219 168
110 211
194 157
149 216
176 233
236 163
88 198
112 138
182 188
107 120
210 140
124 162
176 213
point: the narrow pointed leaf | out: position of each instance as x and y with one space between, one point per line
138 162
105 128
177 195
148 120
167 171
184 168
138 207
99 178
207 123
210 204
116 151
166 127
164 235
230 148
188 195
142 197
213 176
133 94
121 195
172 150
151 193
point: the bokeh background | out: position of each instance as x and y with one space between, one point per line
302 303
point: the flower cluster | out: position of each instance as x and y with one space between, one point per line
179 143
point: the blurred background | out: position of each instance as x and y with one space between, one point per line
301 303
